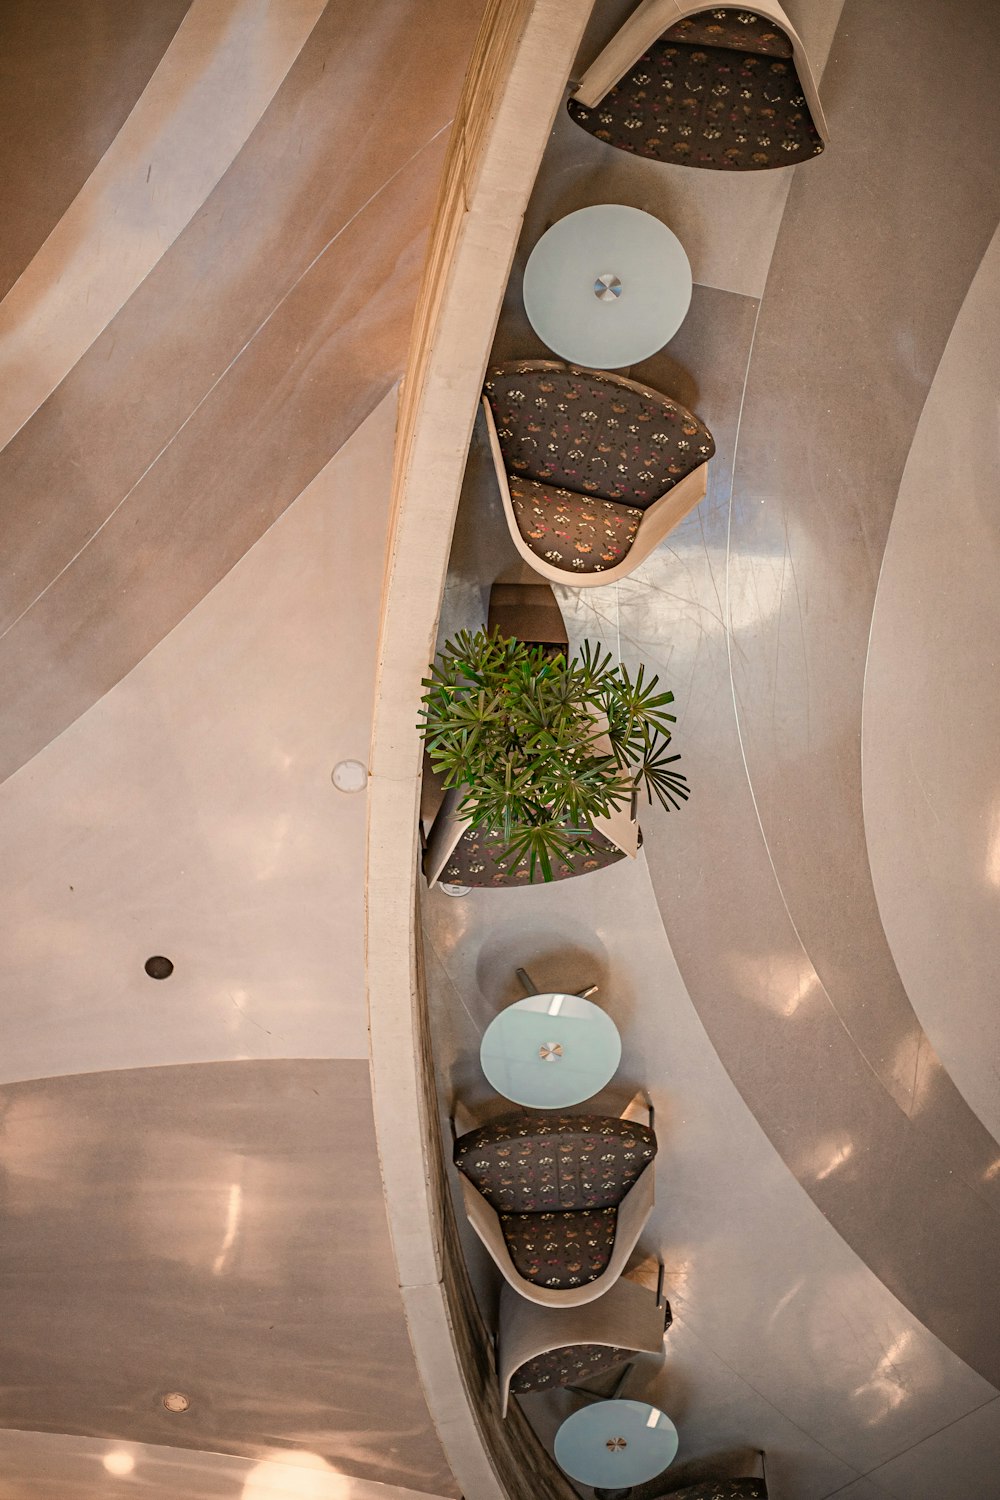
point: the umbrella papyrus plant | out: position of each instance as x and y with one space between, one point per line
542 745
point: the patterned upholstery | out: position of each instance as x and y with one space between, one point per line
717 90
561 1250
573 531
478 859
534 1161
739 30
565 1366
722 1489
593 433
556 1181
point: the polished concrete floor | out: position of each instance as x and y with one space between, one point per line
803 961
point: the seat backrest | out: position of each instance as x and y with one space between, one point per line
570 1362
480 858
593 432
737 30
533 1161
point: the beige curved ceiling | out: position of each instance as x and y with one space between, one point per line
194 524
61 106
190 811
270 327
79 1468
214 82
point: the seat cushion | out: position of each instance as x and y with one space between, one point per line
479 859
723 1489
561 1250
739 30
593 433
535 1161
565 1366
577 532
701 105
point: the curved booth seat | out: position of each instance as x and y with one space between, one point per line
721 1489
726 88
458 854
478 857
594 470
558 1200
540 1348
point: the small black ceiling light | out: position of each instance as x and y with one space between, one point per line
159 967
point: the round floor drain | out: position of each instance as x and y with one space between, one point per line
176 1401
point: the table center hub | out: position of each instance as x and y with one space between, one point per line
608 287
616 1444
550 1051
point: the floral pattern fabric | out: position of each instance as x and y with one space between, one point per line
479 859
592 433
565 1366
705 104
576 532
561 1250
741 30
533 1161
555 1182
723 1489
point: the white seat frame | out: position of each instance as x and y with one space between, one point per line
633 1212
657 520
652 18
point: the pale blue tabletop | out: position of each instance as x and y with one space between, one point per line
607 286
615 1444
550 1051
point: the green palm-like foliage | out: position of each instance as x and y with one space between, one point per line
544 744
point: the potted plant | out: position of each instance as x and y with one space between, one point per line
541 744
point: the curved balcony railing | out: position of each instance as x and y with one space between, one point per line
515 84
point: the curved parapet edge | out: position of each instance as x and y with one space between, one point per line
514 86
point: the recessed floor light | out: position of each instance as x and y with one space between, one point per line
350 776
176 1401
118 1461
159 967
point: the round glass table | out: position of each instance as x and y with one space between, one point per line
613 1445
607 286
550 1051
